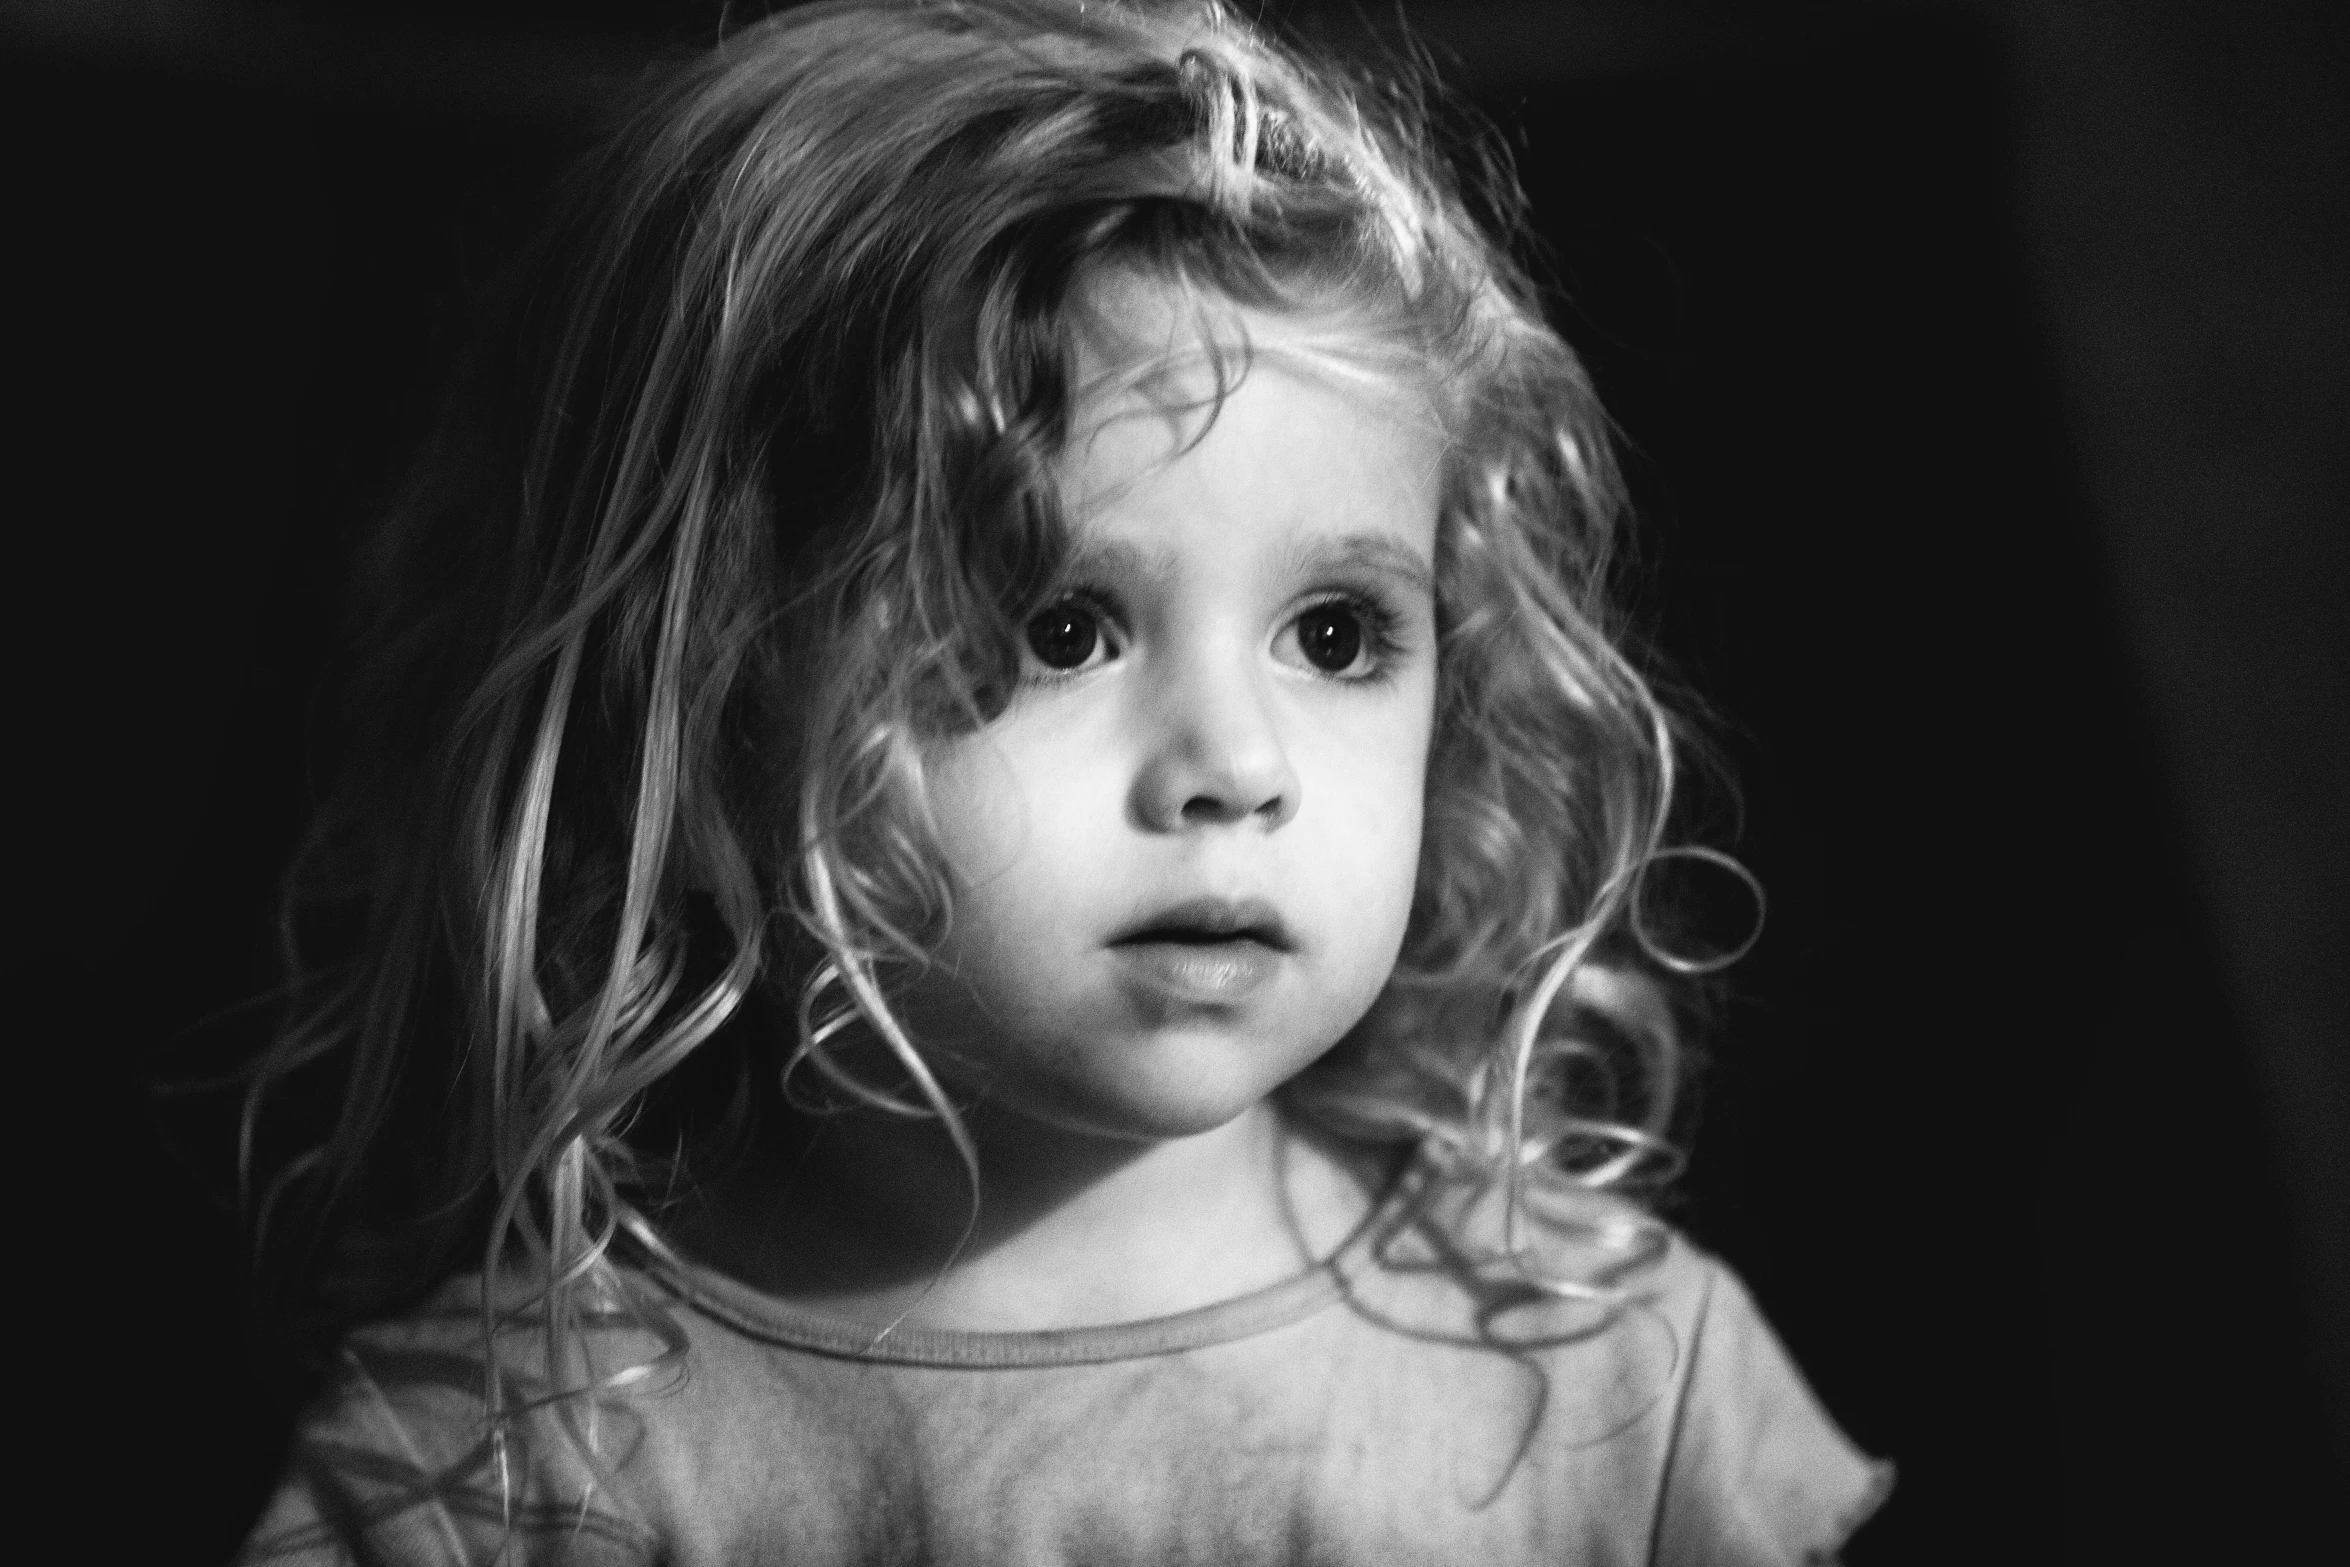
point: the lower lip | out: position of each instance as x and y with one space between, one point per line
1204 971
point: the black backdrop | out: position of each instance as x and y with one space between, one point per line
1989 1133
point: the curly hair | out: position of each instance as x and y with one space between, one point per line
745 505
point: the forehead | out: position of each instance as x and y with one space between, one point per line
1145 343
1183 397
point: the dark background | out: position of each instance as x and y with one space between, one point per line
1982 371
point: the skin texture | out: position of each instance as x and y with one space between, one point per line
1116 1093
1199 752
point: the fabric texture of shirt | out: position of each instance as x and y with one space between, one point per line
1387 1407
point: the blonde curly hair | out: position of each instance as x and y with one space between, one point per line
748 503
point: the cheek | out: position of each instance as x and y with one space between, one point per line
1391 854
985 800
1375 786
1010 823
981 806
1394 769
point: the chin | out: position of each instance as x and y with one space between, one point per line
1152 1118
1183 1093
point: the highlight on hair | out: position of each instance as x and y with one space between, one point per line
744 509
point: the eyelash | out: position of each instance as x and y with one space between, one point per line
1382 627
1095 603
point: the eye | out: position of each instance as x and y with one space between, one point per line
1066 636
1353 637
1331 637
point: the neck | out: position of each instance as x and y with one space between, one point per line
870 1218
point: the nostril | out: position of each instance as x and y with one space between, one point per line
1214 809
1208 808
1215 774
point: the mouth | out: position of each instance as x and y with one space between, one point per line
1210 953
1210 922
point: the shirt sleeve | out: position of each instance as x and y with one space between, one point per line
1757 1474
394 1467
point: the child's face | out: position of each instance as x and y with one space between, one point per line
1185 853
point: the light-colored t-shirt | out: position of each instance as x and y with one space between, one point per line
1387 1407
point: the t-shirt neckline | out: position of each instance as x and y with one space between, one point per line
765 1318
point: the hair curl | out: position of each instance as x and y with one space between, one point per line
745 505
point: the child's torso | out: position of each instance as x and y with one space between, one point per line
1316 1442
1399 1417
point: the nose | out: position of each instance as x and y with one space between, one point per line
1216 756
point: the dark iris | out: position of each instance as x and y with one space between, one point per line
1331 637
1063 637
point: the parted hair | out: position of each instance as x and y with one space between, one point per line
742 507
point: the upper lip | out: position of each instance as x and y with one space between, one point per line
1211 919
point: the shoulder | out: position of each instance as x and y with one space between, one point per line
1755 1469
1667 1418
399 1460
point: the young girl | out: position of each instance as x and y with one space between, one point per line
986 898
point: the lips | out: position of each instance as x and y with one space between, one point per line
1206 951
1210 921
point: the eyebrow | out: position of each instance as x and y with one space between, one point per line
1121 560
1374 552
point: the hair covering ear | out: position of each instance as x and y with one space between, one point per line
829 271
